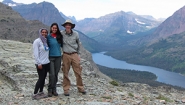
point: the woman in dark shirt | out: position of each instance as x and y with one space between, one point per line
55 41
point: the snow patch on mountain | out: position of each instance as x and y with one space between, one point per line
139 21
101 30
10 4
129 32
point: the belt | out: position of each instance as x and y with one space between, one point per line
70 53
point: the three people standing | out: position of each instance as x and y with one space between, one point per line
47 52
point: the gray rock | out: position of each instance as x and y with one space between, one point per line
18 77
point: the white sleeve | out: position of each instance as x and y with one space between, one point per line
36 52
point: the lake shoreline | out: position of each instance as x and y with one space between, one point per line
163 76
135 76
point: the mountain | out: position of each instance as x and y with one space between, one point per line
115 27
148 17
164 48
64 16
11 3
90 44
15 27
45 12
174 24
18 73
144 16
72 18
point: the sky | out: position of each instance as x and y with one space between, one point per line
96 8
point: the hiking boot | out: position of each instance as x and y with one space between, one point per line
66 94
83 92
50 94
42 95
55 93
36 97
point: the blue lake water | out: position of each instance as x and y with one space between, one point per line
162 75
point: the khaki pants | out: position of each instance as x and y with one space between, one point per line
73 60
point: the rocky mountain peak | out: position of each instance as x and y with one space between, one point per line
174 24
15 27
45 12
10 3
114 27
18 73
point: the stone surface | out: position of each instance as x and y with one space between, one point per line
18 77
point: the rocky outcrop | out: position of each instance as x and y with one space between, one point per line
18 77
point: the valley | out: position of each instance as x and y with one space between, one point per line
126 36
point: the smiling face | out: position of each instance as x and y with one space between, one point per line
54 29
68 27
44 33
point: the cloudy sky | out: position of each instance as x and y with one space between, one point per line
95 8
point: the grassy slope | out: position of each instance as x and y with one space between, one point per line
167 54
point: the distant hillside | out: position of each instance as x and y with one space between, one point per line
174 24
14 27
127 76
115 27
164 48
72 18
11 3
69 17
168 54
45 12
90 44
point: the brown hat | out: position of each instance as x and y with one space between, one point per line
68 22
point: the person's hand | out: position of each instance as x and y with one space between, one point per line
39 66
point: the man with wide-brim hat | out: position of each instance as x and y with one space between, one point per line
71 57
69 22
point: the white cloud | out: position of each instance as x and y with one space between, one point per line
96 8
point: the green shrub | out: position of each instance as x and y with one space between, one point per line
161 97
114 83
130 94
106 97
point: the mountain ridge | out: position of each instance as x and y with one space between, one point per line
114 27
163 48
15 27
174 24
47 13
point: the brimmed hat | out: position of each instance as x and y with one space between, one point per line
68 22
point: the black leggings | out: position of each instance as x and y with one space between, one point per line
42 73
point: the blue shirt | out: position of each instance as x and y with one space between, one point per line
55 50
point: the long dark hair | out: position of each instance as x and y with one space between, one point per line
59 35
